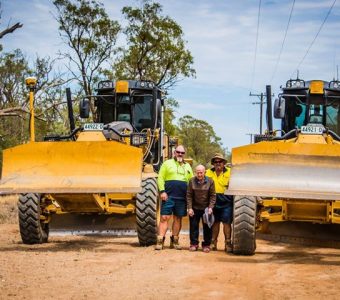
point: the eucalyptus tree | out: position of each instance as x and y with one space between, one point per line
155 48
200 139
90 35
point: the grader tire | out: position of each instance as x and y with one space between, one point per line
146 212
32 230
244 225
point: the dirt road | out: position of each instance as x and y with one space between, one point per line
106 267
76 267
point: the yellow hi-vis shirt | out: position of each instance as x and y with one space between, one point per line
173 178
221 184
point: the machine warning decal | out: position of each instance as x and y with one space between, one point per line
93 126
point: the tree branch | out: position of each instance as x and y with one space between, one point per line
10 29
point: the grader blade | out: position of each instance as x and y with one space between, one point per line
93 224
72 167
280 169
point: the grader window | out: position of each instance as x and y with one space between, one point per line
316 113
124 108
300 115
295 114
333 117
143 112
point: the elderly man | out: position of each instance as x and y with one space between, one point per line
201 197
223 210
173 178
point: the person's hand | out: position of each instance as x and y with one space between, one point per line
191 212
164 196
210 210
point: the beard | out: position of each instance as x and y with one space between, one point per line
179 159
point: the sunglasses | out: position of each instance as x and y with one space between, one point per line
218 161
180 152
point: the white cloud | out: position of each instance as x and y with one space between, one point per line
221 36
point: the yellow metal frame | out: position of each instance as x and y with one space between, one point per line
316 211
31 83
101 203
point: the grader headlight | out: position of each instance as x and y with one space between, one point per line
138 139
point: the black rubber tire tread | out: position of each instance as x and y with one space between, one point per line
31 229
146 212
244 225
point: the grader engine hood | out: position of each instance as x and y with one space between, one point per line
284 169
72 167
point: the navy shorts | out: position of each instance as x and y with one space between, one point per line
224 214
177 207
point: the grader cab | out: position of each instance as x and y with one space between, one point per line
107 167
294 177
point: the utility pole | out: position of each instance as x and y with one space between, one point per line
251 137
261 97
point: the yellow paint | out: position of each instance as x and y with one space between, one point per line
322 212
316 87
72 167
122 87
91 136
31 84
32 129
282 152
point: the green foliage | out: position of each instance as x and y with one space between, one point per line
156 49
14 104
13 70
169 116
199 138
90 34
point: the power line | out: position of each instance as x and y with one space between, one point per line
317 34
283 42
257 37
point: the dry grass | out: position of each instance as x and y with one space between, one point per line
8 209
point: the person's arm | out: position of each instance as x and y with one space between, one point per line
189 195
160 179
212 194
161 182
190 174
189 199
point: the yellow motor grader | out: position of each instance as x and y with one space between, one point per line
107 167
295 176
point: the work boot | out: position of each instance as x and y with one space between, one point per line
160 242
228 247
213 245
174 244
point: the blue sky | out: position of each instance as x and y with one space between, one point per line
222 37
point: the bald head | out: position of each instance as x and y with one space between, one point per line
200 172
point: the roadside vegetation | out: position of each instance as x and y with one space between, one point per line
154 48
8 209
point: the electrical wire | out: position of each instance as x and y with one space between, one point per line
283 42
317 34
257 37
